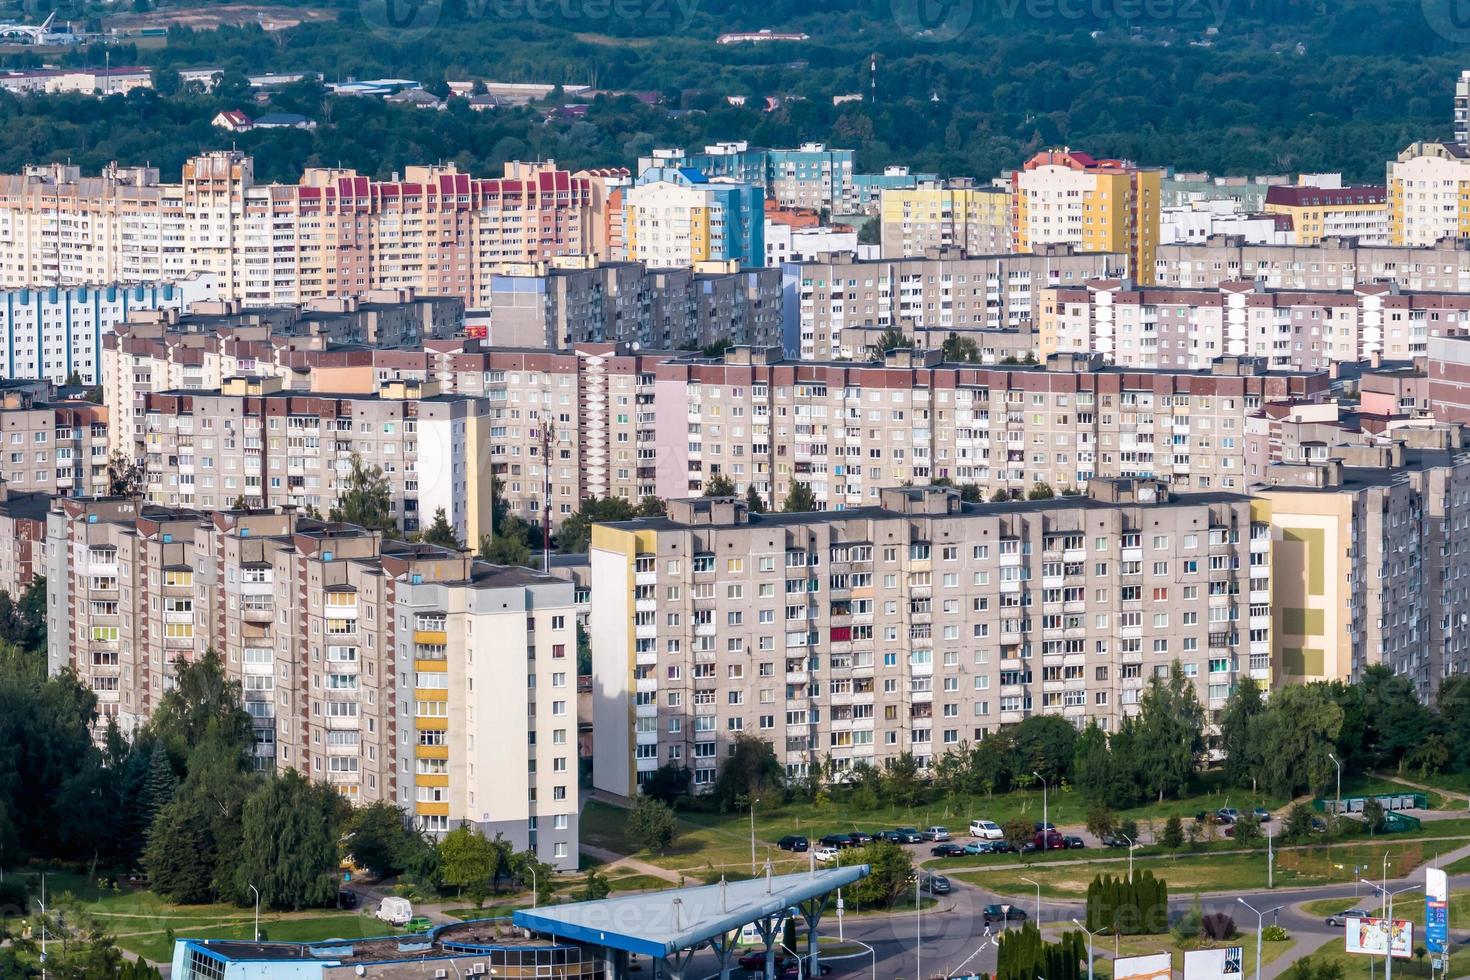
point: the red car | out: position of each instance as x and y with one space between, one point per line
756 960
1050 840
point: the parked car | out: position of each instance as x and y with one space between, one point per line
346 899
980 847
791 970
948 850
909 835
860 838
986 830
1050 840
935 884
891 836
937 834
1004 913
1227 814
756 960
1072 841
1261 814
1039 826
836 840
1108 840
1340 919
395 911
1030 847
793 842
419 923
825 854
1003 847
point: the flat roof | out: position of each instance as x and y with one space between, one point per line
658 924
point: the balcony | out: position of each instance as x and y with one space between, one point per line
430 637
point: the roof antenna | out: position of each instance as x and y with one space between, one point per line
724 903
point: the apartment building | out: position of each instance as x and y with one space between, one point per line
1462 108
941 290
1425 186
57 333
1448 370
1291 329
678 216
911 625
808 176
848 429
952 213
51 446
868 189
1063 196
494 660
1197 220
335 233
1327 212
1369 559
357 656
580 300
1334 263
23 526
252 440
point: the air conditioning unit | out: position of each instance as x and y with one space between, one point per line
478 970
440 974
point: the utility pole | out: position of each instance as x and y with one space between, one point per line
546 498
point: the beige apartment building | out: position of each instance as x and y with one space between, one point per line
51 446
1290 329
1333 263
255 442
335 233
914 624
848 430
945 214
943 290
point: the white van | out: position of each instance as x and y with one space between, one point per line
395 911
986 830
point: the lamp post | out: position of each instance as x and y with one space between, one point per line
535 890
1089 946
1388 950
1038 899
1337 807
1045 823
1260 927
872 955
800 967
1130 852
752 835
955 971
43 925
257 912
918 931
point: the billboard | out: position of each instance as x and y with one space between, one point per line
1372 936
1436 910
1155 966
1213 964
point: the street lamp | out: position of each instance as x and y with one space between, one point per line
1130 852
1388 950
800 972
1337 808
918 931
1089 946
1260 927
257 912
43 925
872 955
1045 823
534 889
752 835
1038 899
955 971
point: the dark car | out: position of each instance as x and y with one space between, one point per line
1039 826
793 842
792 969
1002 847
909 835
948 850
1261 814
1074 842
1004 913
1109 840
891 836
858 837
1029 847
838 841
935 884
346 899
756 960
1050 840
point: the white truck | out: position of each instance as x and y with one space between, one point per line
395 911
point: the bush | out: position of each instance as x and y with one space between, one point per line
14 898
1275 934
1217 925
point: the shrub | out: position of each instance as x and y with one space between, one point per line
1274 934
1218 925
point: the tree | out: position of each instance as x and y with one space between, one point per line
719 485
289 829
508 545
1046 744
1247 830
440 532
1242 755
1173 837
468 860
651 506
751 770
1396 722
125 475
159 787
575 534
1017 833
891 338
596 887
901 783
202 701
366 498
652 824
890 870
960 350
1296 736
667 783
754 502
1373 815
180 856
1454 720
799 498
378 838
529 869
1298 823
1040 491
1170 739
1099 821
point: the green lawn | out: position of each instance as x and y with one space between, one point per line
1410 906
1209 872
1105 948
1355 966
